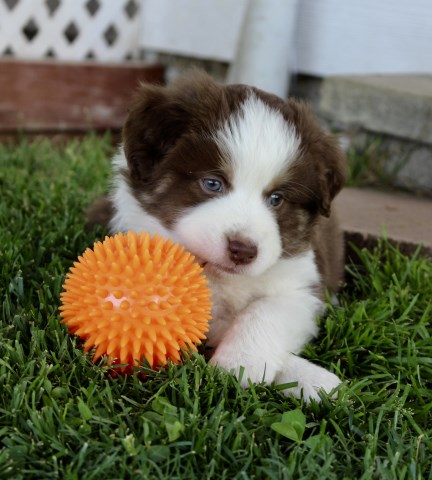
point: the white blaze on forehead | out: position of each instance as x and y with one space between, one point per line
259 144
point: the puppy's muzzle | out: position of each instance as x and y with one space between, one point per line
242 253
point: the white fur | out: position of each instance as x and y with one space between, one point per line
310 378
129 214
259 144
264 312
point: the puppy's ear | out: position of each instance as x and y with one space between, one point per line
155 122
332 172
323 164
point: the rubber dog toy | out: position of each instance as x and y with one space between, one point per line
134 297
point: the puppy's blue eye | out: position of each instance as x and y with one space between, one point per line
275 199
212 185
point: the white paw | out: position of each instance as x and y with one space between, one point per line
253 368
323 381
311 379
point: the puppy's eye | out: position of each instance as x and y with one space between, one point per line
212 185
275 199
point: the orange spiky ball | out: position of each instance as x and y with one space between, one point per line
134 297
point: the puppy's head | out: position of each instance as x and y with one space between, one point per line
236 175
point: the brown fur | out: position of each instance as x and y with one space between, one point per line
99 213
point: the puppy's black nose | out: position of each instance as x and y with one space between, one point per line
242 253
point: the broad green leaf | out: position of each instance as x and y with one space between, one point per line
292 425
84 410
174 430
162 405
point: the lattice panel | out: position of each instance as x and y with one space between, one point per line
70 30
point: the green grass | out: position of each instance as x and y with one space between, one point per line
63 417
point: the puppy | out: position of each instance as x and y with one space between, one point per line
244 180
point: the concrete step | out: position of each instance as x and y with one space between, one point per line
396 109
367 215
397 105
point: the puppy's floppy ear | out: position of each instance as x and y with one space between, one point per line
155 122
324 164
332 172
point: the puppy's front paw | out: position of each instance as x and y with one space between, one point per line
322 380
311 379
254 369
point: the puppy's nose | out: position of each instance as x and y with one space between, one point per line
242 253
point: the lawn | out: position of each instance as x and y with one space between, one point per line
63 417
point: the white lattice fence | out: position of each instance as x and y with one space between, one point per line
70 30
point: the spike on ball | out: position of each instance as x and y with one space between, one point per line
134 296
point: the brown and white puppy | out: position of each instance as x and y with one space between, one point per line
244 180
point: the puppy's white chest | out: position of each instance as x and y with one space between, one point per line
229 298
